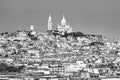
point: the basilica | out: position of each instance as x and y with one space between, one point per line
63 28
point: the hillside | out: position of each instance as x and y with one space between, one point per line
51 45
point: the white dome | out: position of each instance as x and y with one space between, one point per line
31 27
63 21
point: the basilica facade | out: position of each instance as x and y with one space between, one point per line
63 27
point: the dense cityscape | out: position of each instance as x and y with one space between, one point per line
58 54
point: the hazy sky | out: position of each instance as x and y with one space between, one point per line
88 16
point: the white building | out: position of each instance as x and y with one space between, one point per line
49 23
33 32
31 27
64 27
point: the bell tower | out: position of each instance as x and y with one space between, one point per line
49 23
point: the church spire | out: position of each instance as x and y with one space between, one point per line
49 23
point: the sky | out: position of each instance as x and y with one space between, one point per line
100 17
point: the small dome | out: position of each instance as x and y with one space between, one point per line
31 27
68 26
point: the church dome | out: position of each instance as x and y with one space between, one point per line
31 27
63 21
